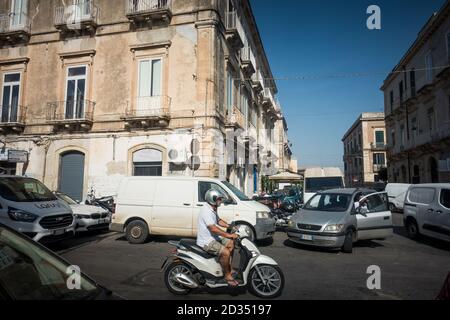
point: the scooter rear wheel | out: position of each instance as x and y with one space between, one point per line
273 278
169 277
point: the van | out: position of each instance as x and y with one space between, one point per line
397 195
335 219
170 206
28 206
427 211
319 179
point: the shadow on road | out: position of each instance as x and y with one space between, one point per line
435 243
79 240
359 244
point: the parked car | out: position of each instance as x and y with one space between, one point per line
170 206
397 195
427 211
29 271
331 219
28 206
87 217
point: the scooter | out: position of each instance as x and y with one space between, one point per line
190 267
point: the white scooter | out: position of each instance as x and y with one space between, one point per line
191 267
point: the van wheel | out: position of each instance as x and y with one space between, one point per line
392 207
348 242
412 229
137 232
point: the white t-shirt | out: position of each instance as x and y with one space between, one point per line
207 217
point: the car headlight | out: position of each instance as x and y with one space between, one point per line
20 215
334 227
81 216
291 224
262 215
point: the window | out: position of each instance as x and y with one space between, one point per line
412 81
421 195
431 119
429 66
204 187
379 138
230 93
391 100
75 92
402 135
147 162
150 84
329 202
445 198
376 203
24 190
414 128
379 159
11 95
18 13
400 90
393 137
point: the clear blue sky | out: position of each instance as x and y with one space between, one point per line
327 37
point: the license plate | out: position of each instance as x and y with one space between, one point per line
59 232
306 237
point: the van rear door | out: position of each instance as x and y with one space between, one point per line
377 222
173 207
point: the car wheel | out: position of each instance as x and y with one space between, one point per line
249 230
137 232
392 207
348 242
412 229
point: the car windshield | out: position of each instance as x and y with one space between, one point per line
236 191
329 202
323 183
64 197
29 272
20 189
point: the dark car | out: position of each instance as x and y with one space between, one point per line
29 271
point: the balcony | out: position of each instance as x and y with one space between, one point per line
257 81
148 112
378 146
234 30
14 28
377 167
12 119
148 10
235 119
268 100
76 18
248 61
71 115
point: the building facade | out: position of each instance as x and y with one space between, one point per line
417 107
365 149
93 91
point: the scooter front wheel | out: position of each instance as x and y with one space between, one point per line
169 277
267 282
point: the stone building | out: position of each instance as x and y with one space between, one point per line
365 149
96 90
417 106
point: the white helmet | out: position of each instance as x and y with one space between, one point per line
212 195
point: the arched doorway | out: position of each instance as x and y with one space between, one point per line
147 162
71 174
433 167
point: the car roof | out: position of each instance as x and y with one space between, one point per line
432 185
348 190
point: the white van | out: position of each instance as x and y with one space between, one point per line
170 206
26 205
427 211
397 195
320 179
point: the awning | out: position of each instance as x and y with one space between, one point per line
286 177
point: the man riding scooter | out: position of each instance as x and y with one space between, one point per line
212 238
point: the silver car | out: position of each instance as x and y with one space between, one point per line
337 218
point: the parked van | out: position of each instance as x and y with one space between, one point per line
26 205
170 206
427 211
397 194
337 218
320 179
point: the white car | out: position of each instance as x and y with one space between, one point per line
87 217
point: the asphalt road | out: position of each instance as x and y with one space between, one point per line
409 269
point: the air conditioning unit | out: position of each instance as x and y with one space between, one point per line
178 145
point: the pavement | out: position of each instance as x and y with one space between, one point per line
409 269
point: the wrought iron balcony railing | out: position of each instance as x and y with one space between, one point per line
10 23
71 111
76 16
